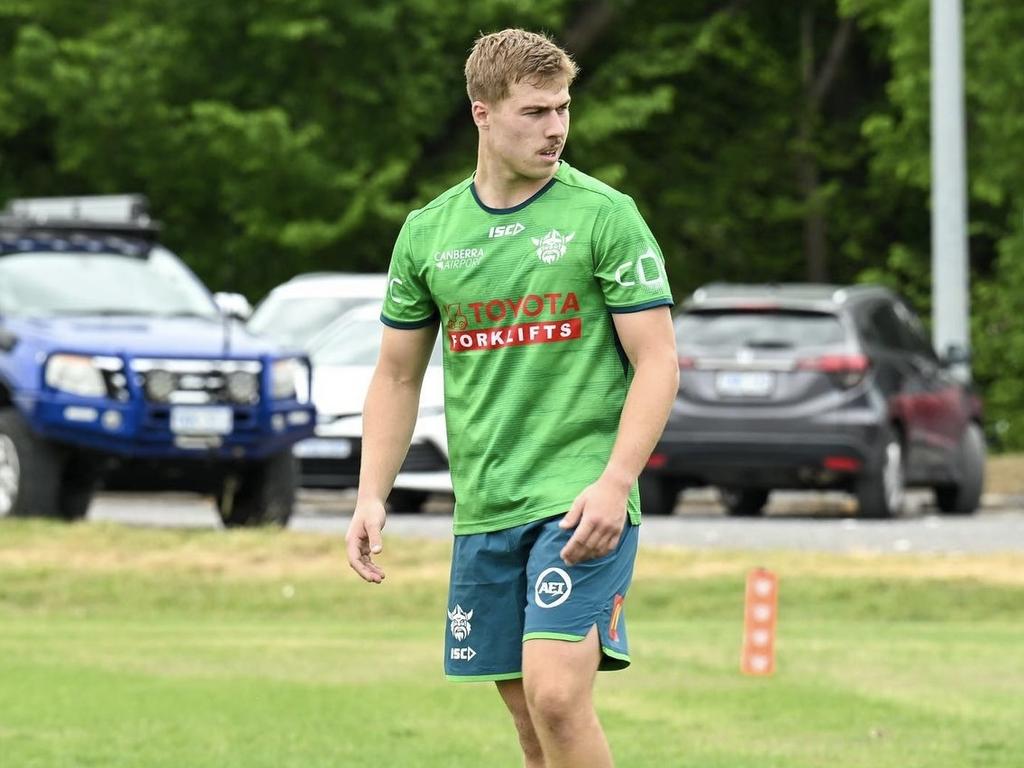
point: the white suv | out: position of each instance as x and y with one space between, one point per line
344 356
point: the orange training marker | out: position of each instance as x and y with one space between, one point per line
759 623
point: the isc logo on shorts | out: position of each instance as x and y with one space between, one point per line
463 654
553 588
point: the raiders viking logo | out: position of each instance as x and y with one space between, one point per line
460 625
551 247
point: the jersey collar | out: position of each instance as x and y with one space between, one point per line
500 211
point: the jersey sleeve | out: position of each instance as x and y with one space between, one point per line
408 303
628 263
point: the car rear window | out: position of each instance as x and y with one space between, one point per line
765 329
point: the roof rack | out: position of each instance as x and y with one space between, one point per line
96 213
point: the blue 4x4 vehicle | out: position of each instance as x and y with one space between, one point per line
118 369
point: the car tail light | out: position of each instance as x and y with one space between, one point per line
657 461
842 464
847 370
687 362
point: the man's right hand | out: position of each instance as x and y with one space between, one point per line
363 540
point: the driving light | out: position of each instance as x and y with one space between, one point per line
243 387
159 385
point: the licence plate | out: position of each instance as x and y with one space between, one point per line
745 383
320 448
201 420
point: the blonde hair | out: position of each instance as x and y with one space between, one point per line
501 59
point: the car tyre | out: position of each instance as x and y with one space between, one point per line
880 489
658 495
963 498
29 468
744 502
262 494
77 487
403 500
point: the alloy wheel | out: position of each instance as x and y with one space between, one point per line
10 472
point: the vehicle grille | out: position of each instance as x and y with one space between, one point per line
192 382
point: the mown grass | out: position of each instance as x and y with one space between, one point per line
138 648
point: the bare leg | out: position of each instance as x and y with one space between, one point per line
515 699
558 678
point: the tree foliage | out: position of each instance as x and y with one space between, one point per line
898 137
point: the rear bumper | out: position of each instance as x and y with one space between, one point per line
768 460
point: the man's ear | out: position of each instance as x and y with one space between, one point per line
481 114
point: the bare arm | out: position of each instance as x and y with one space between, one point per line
389 417
599 512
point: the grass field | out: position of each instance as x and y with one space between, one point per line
134 648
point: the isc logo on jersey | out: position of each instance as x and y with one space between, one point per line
505 230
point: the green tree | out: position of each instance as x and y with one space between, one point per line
272 137
899 139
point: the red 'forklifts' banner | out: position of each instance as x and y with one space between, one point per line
760 615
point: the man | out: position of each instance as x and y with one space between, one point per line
560 370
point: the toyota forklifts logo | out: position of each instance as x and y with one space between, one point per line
456 318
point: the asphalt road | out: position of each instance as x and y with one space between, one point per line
809 522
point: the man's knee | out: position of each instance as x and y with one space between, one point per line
556 703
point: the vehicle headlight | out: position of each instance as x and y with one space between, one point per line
243 387
289 379
81 375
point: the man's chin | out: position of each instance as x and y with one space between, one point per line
539 169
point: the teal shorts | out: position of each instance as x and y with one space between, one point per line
510 586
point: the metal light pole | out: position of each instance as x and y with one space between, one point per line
950 276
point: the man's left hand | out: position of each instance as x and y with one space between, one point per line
598 514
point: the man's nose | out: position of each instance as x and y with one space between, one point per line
554 126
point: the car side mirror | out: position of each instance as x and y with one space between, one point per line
233 305
955 355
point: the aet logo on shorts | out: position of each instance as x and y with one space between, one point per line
553 588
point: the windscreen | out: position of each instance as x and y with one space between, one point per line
356 341
295 320
41 283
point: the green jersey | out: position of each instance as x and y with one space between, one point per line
535 377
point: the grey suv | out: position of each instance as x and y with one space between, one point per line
815 387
